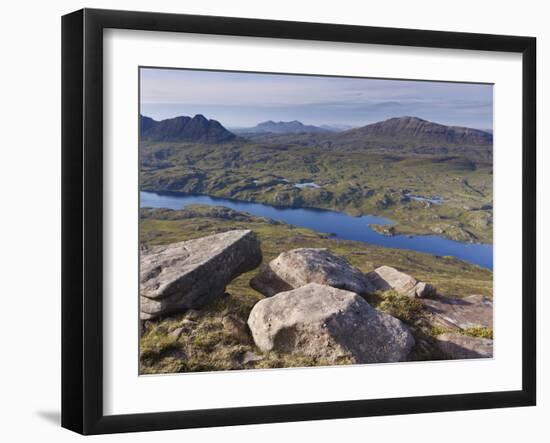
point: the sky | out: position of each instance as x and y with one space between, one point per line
239 100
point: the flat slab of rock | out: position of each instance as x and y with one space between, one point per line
329 324
298 267
459 346
460 313
386 277
192 273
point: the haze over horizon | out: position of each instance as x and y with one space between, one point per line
240 100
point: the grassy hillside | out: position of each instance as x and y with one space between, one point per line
368 180
207 343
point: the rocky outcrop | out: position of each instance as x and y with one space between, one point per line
458 346
193 273
475 311
330 324
386 277
298 267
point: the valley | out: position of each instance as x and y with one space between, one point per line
381 175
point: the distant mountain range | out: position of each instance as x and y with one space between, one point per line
292 127
419 131
336 128
398 132
195 129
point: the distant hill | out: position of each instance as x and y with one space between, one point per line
292 127
417 131
336 127
195 129
400 136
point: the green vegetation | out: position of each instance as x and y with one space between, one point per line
472 332
427 178
372 179
400 306
204 344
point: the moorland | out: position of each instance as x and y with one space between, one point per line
427 178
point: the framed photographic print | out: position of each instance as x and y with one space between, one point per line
269 221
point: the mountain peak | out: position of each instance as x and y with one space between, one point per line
422 131
408 118
281 127
184 128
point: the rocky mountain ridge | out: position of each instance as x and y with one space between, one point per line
420 130
184 128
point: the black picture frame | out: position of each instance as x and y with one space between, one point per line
82 218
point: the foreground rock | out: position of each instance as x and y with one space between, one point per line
458 346
328 324
193 273
475 311
298 267
386 277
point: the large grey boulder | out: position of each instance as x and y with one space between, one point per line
330 324
473 311
192 273
459 347
298 267
386 277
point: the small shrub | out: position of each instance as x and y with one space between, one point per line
479 332
438 330
404 308
207 341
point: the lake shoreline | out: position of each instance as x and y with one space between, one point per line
357 214
339 224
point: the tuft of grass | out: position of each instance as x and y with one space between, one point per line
438 330
478 331
280 360
155 346
400 306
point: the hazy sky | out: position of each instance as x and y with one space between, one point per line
245 99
